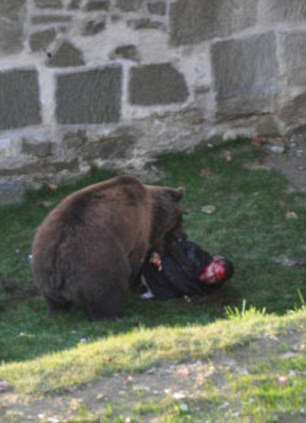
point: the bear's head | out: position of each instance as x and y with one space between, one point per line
166 212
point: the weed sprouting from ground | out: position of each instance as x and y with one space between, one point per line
235 313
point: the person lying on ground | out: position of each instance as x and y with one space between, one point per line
184 270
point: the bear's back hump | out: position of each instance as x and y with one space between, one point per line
119 195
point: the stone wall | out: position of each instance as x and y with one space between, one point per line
100 83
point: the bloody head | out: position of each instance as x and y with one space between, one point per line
217 272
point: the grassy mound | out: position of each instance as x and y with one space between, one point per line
251 226
257 223
140 349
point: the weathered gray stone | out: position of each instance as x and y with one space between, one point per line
66 55
145 23
19 99
199 20
149 173
116 18
8 148
74 4
11 192
58 166
157 84
74 140
129 5
39 41
117 146
169 131
41 166
89 97
267 126
48 4
246 75
284 10
294 57
12 18
93 5
46 19
157 8
128 52
93 27
292 113
36 148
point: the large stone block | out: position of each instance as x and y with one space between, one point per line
66 55
284 10
8 148
39 41
292 111
93 5
157 8
74 140
74 4
12 18
169 131
119 145
19 99
145 23
127 51
49 19
90 97
48 4
294 57
94 26
199 20
36 148
129 5
157 84
246 75
36 166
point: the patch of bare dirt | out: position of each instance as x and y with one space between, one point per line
178 381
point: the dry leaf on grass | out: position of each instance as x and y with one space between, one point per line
209 209
228 157
183 372
205 173
282 380
291 215
45 204
52 187
258 141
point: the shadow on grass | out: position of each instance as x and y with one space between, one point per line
249 226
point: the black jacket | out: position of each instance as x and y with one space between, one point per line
181 268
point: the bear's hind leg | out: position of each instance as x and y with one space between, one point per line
108 307
106 296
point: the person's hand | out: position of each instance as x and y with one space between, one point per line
156 260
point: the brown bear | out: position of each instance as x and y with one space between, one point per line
96 240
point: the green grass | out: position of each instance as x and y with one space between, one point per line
249 226
142 348
272 390
254 398
40 356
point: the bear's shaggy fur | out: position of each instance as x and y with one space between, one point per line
95 241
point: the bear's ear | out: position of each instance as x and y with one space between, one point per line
177 194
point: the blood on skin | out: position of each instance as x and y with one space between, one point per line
215 272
